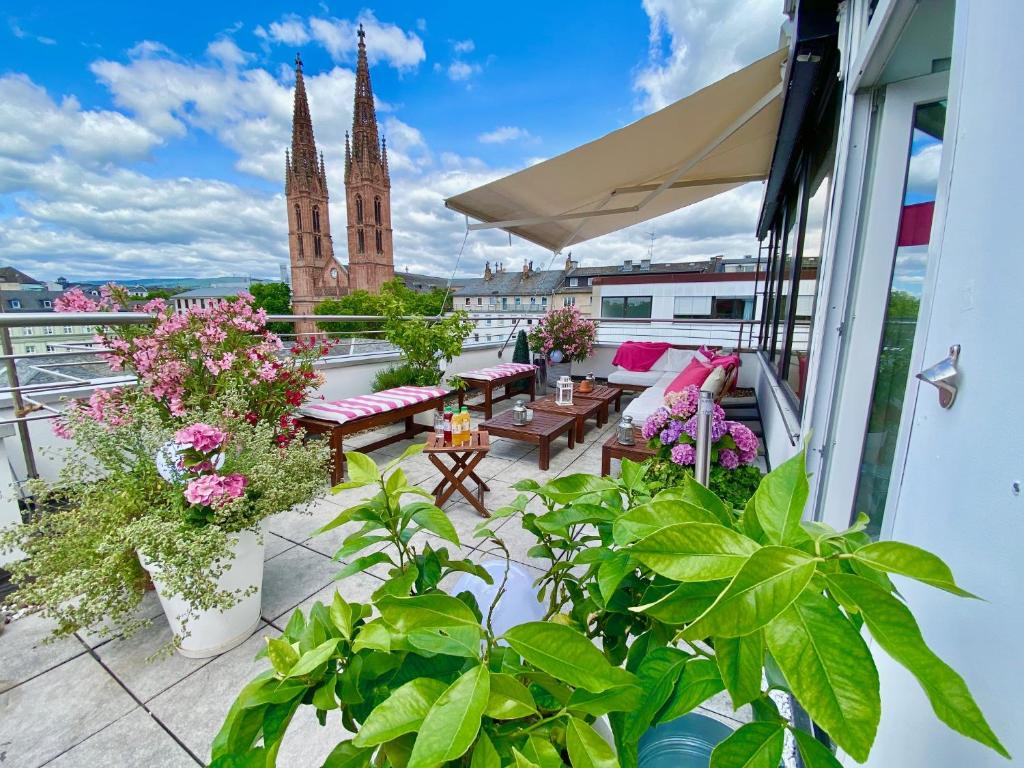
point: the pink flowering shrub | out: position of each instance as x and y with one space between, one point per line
566 330
201 437
672 432
215 490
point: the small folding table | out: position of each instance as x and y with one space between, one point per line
464 461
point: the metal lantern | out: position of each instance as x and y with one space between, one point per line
625 431
519 413
563 391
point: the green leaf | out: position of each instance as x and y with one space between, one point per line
814 753
765 586
740 661
611 572
631 473
509 698
324 696
426 611
398 585
450 641
540 752
361 468
347 755
701 496
755 745
431 518
622 698
893 627
829 669
401 712
657 676
684 604
574 514
314 658
749 524
364 510
360 564
586 747
484 753
699 681
694 551
653 516
563 490
357 543
779 502
453 722
521 760
282 655
373 636
913 562
566 654
341 616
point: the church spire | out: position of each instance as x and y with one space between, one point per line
365 141
304 157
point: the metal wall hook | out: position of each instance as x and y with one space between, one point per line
944 376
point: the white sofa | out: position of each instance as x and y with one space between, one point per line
672 361
652 398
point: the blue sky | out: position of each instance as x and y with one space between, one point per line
147 140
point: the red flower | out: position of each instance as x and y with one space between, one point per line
293 397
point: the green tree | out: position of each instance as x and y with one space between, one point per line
276 299
521 354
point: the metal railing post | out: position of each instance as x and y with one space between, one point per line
19 404
702 463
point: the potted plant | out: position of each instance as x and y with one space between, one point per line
672 432
696 596
563 336
174 476
418 676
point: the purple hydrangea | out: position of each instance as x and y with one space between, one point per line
684 454
746 441
654 423
670 434
728 458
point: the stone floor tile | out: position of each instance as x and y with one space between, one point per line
52 713
292 577
275 545
306 742
23 654
295 525
134 740
149 609
354 589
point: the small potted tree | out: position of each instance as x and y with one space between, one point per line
563 336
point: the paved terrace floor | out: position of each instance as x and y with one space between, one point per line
83 701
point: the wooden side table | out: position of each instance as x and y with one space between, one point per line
613 449
544 428
580 409
464 460
604 394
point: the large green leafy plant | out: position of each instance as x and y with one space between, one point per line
697 597
418 676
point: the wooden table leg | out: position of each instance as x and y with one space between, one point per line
580 427
337 457
453 480
533 387
544 459
606 461
488 396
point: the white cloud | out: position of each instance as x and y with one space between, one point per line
464 46
386 42
461 70
227 52
504 134
693 43
923 173
290 30
19 32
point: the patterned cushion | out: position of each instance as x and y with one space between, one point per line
498 371
352 408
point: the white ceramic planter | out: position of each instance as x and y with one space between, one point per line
213 632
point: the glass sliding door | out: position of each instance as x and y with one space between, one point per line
902 307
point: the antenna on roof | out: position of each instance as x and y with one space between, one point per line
650 248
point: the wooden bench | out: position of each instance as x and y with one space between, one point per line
336 431
488 379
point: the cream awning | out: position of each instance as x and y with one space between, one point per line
710 142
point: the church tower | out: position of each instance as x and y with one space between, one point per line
367 190
316 275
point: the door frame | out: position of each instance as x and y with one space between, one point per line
875 254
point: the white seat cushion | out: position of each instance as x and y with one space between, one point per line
635 378
714 382
645 404
674 360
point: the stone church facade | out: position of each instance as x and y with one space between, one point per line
315 271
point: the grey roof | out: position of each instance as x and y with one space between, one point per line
31 301
515 284
213 292
12 275
419 282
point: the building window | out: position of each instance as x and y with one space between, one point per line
298 217
626 306
316 218
504 302
519 302
543 301
360 242
488 322
574 282
302 250
715 307
30 349
27 331
479 301
359 209
68 329
569 301
378 236
14 303
50 348
376 211
334 274
317 247
48 330
47 304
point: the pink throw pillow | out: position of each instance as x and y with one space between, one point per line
726 361
695 373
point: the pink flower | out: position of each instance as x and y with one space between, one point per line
61 428
75 301
684 454
728 458
202 437
215 491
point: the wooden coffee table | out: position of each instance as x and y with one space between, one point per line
464 460
613 449
544 428
603 393
580 409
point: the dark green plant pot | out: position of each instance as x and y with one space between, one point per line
685 742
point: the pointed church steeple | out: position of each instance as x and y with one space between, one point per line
365 142
304 159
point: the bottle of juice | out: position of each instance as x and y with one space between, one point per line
448 425
467 425
459 432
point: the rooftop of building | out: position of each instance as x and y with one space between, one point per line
522 282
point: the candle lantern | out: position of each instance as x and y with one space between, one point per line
519 413
625 431
563 392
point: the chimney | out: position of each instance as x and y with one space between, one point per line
716 263
526 269
645 265
570 265
487 271
627 265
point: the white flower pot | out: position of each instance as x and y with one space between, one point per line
213 632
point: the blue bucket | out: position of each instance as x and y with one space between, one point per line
685 742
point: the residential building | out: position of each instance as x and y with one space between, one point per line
502 302
201 298
21 293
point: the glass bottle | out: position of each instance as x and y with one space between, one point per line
467 426
448 425
439 427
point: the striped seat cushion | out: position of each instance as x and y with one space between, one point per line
343 411
498 371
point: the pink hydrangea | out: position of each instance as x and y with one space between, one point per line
202 437
746 442
684 454
683 403
728 458
214 490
